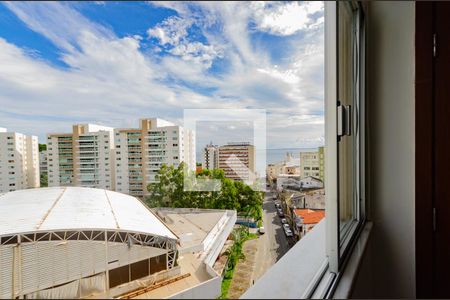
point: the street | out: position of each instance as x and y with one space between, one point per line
273 244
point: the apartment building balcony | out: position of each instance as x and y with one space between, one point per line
155 139
136 186
65 160
159 146
134 166
64 144
134 134
156 133
86 149
86 138
136 193
135 160
65 151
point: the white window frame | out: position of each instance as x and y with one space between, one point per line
339 248
314 267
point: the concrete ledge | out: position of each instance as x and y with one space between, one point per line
292 275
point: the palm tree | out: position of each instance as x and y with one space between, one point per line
234 253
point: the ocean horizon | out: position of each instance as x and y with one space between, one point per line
277 155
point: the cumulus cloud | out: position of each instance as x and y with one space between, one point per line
285 19
112 81
172 34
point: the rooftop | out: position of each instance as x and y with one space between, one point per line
310 216
65 208
189 224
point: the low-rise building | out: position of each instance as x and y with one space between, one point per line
305 220
312 164
288 182
296 183
19 161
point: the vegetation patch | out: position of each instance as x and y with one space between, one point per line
239 236
169 191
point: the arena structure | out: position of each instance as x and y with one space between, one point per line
73 242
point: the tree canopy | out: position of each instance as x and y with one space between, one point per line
168 191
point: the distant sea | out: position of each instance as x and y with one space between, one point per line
277 155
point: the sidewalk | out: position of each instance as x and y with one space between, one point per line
242 278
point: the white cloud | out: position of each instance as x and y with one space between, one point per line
173 33
110 80
56 21
285 19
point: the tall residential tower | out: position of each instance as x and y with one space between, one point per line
210 157
140 153
19 161
83 157
238 161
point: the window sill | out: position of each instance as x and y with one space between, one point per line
302 271
346 280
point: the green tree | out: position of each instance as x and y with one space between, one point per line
44 180
234 253
168 190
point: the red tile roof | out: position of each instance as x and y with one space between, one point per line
310 216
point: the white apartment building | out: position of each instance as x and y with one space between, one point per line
210 157
140 153
43 162
237 160
19 161
312 164
82 158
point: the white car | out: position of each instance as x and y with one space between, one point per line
288 232
283 221
261 230
286 227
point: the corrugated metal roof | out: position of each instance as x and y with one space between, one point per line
61 208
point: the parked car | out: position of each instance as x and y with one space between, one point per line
283 221
277 205
261 230
286 227
280 213
288 232
274 197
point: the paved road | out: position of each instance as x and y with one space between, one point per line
273 244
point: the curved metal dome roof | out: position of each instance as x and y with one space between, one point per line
69 208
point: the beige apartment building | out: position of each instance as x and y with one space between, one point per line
83 157
238 161
312 164
19 161
140 153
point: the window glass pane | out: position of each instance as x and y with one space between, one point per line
349 99
345 96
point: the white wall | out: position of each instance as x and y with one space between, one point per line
388 269
206 290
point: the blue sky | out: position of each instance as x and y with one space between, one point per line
112 63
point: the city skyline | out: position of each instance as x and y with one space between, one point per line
113 63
